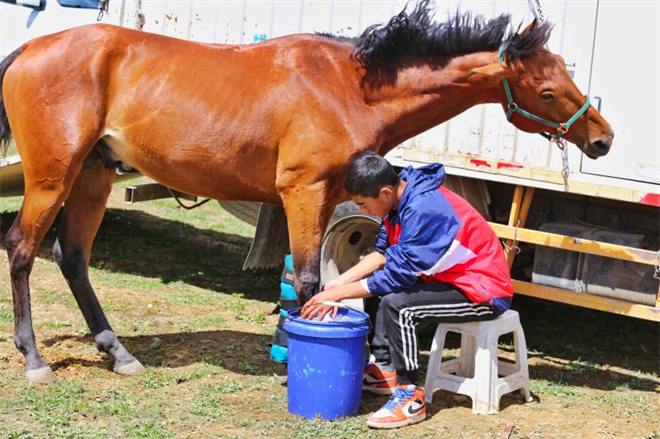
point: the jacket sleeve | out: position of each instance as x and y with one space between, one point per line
428 229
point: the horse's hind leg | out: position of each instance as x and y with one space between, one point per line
83 212
43 199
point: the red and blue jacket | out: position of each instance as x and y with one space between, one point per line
437 237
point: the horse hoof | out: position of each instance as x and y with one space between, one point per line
43 375
130 369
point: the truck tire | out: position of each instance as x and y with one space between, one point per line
247 211
349 237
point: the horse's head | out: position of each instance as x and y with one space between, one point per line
542 97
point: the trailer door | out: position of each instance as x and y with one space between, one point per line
625 75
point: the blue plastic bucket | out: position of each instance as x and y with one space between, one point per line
326 362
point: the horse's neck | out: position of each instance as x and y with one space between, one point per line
425 96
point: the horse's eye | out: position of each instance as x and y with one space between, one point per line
547 96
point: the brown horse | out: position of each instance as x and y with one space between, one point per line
275 122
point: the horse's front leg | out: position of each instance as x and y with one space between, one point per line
308 211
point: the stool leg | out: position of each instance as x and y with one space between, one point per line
521 359
435 362
466 357
485 400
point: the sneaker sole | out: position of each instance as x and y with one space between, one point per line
388 425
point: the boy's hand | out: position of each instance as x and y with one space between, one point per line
315 306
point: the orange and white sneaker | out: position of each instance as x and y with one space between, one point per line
377 380
406 407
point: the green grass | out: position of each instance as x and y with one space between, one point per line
152 379
54 406
316 428
56 324
227 385
52 296
201 298
627 404
582 366
6 317
557 386
207 405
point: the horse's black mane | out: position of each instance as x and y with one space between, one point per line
382 49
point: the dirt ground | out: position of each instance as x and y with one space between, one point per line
172 287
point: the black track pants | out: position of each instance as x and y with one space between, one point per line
395 318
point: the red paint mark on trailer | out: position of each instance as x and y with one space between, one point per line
651 199
476 162
509 165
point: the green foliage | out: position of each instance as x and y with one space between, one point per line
51 296
146 428
18 433
152 379
200 372
55 405
213 360
556 387
318 428
6 317
207 405
227 386
582 366
237 306
56 324
258 318
628 404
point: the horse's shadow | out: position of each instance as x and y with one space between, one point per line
135 242
240 352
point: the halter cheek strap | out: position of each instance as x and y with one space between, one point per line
512 107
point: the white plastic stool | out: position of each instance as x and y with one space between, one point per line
475 372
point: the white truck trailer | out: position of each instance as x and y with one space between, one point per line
577 231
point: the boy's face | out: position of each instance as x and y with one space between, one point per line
380 206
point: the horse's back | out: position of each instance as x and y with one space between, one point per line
193 115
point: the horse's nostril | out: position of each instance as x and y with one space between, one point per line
602 147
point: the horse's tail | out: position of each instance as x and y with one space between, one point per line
5 129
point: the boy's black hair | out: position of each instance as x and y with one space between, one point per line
367 174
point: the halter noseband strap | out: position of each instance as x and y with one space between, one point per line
562 128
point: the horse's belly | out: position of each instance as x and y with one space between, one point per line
218 173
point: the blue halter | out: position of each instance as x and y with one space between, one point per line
562 128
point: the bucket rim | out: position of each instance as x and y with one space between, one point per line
294 313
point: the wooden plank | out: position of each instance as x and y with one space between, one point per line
599 303
615 251
521 221
509 251
515 205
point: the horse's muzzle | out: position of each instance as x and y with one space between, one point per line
599 147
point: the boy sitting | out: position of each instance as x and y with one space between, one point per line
436 259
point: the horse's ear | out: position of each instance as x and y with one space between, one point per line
489 74
529 27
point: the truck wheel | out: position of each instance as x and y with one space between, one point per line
349 237
247 211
